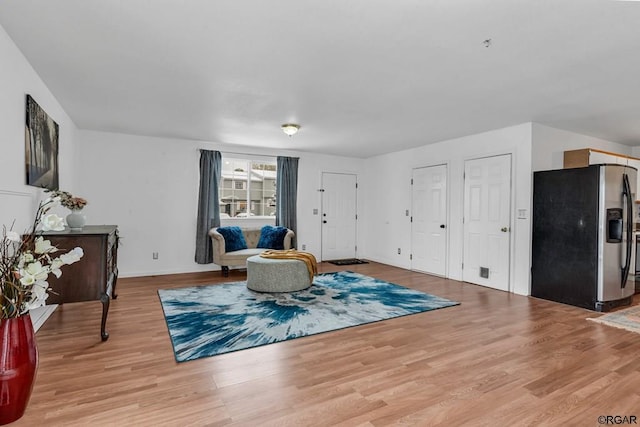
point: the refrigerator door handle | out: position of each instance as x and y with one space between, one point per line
626 193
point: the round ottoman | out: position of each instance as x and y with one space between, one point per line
276 275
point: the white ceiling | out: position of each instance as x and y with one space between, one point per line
362 77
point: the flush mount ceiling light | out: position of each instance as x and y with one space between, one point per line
290 128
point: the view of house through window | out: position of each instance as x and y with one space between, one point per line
247 188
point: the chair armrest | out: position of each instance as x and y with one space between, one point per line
218 243
288 239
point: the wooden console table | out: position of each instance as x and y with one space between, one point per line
94 276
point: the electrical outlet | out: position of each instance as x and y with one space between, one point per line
399 251
155 255
304 247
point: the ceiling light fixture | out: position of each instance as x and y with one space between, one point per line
290 128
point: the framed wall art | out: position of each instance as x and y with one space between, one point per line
41 147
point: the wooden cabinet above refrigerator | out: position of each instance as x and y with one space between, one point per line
591 156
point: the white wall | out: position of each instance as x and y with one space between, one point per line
310 171
549 145
17 79
388 196
149 187
388 190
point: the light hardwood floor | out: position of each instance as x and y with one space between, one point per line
497 360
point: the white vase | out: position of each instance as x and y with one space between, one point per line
76 220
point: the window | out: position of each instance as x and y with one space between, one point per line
247 188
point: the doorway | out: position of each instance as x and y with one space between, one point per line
339 216
486 221
429 220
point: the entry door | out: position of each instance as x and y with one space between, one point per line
429 220
487 228
338 216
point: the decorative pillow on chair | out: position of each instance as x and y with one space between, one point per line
272 237
233 238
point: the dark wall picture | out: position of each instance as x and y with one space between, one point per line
41 147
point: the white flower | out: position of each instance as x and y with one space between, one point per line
52 222
13 236
72 256
27 279
27 263
25 258
39 295
55 267
36 270
44 246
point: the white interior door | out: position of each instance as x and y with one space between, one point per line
429 220
487 228
338 215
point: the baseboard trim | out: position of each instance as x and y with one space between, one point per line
203 269
40 315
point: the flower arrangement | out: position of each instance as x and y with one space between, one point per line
26 262
69 201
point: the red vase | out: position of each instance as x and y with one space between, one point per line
18 364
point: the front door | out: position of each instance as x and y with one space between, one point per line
429 220
338 215
487 228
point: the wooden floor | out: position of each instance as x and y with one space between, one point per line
495 360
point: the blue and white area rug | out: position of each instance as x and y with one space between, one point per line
214 319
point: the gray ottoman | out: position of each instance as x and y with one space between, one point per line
276 275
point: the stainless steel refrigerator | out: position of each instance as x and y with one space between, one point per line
583 251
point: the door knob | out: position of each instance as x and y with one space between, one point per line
504 229
324 222
442 226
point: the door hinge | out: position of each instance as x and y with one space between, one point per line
411 219
356 248
356 185
463 265
411 181
410 256
356 217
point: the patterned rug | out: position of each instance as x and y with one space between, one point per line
214 319
628 319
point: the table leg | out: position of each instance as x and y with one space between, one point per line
105 300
